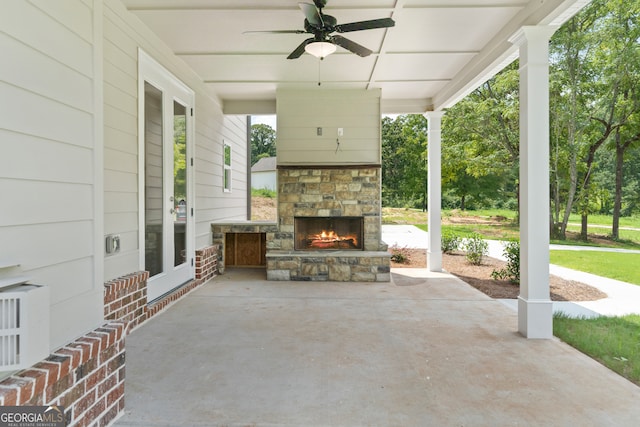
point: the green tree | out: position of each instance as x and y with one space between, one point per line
480 148
573 128
263 142
619 57
594 59
404 169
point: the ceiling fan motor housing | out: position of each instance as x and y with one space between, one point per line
329 25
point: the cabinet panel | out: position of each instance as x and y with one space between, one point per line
245 249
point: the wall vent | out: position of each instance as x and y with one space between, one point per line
24 326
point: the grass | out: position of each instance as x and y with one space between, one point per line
493 232
632 221
403 216
619 266
263 192
481 213
612 341
628 236
505 229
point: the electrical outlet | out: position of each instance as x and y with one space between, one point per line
112 244
340 131
319 131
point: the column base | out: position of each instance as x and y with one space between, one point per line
535 318
434 261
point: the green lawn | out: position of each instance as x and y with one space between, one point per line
612 341
619 266
505 229
630 236
633 221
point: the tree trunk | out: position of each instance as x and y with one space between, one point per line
462 203
621 147
584 227
617 203
573 174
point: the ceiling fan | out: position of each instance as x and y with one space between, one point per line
323 26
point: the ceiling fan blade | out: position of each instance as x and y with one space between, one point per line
365 25
275 32
300 49
351 46
312 14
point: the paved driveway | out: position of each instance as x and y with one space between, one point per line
424 350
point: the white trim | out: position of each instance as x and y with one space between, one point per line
434 183
535 309
151 71
98 148
227 184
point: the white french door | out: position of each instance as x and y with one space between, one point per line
166 184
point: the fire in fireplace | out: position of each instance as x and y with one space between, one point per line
328 233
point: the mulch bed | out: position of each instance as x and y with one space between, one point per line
479 276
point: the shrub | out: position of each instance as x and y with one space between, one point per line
476 248
400 255
450 241
512 271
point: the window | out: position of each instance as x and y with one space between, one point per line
227 168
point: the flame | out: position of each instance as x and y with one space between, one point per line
332 236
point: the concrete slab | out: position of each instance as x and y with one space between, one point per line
402 236
425 349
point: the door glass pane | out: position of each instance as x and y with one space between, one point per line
179 182
153 188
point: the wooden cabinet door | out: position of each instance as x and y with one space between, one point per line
245 249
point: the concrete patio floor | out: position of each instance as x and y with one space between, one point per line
423 350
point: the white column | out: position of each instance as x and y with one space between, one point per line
535 309
434 188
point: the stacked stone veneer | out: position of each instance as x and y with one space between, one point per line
87 376
351 191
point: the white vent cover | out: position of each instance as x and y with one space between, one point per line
24 326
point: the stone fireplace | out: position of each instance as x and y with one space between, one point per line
329 224
344 203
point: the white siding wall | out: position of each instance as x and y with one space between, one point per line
264 179
49 181
123 35
300 113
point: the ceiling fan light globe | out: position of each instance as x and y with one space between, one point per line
320 49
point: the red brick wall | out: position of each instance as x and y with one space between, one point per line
125 299
85 376
207 263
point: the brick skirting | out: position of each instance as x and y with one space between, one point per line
125 299
85 376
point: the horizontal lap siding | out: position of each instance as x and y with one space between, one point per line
123 34
300 113
47 150
121 146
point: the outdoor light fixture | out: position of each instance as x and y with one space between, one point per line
320 49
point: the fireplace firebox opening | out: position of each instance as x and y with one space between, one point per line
329 233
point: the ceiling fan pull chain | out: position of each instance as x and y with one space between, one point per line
319 79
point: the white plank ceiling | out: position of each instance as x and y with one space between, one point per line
437 52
